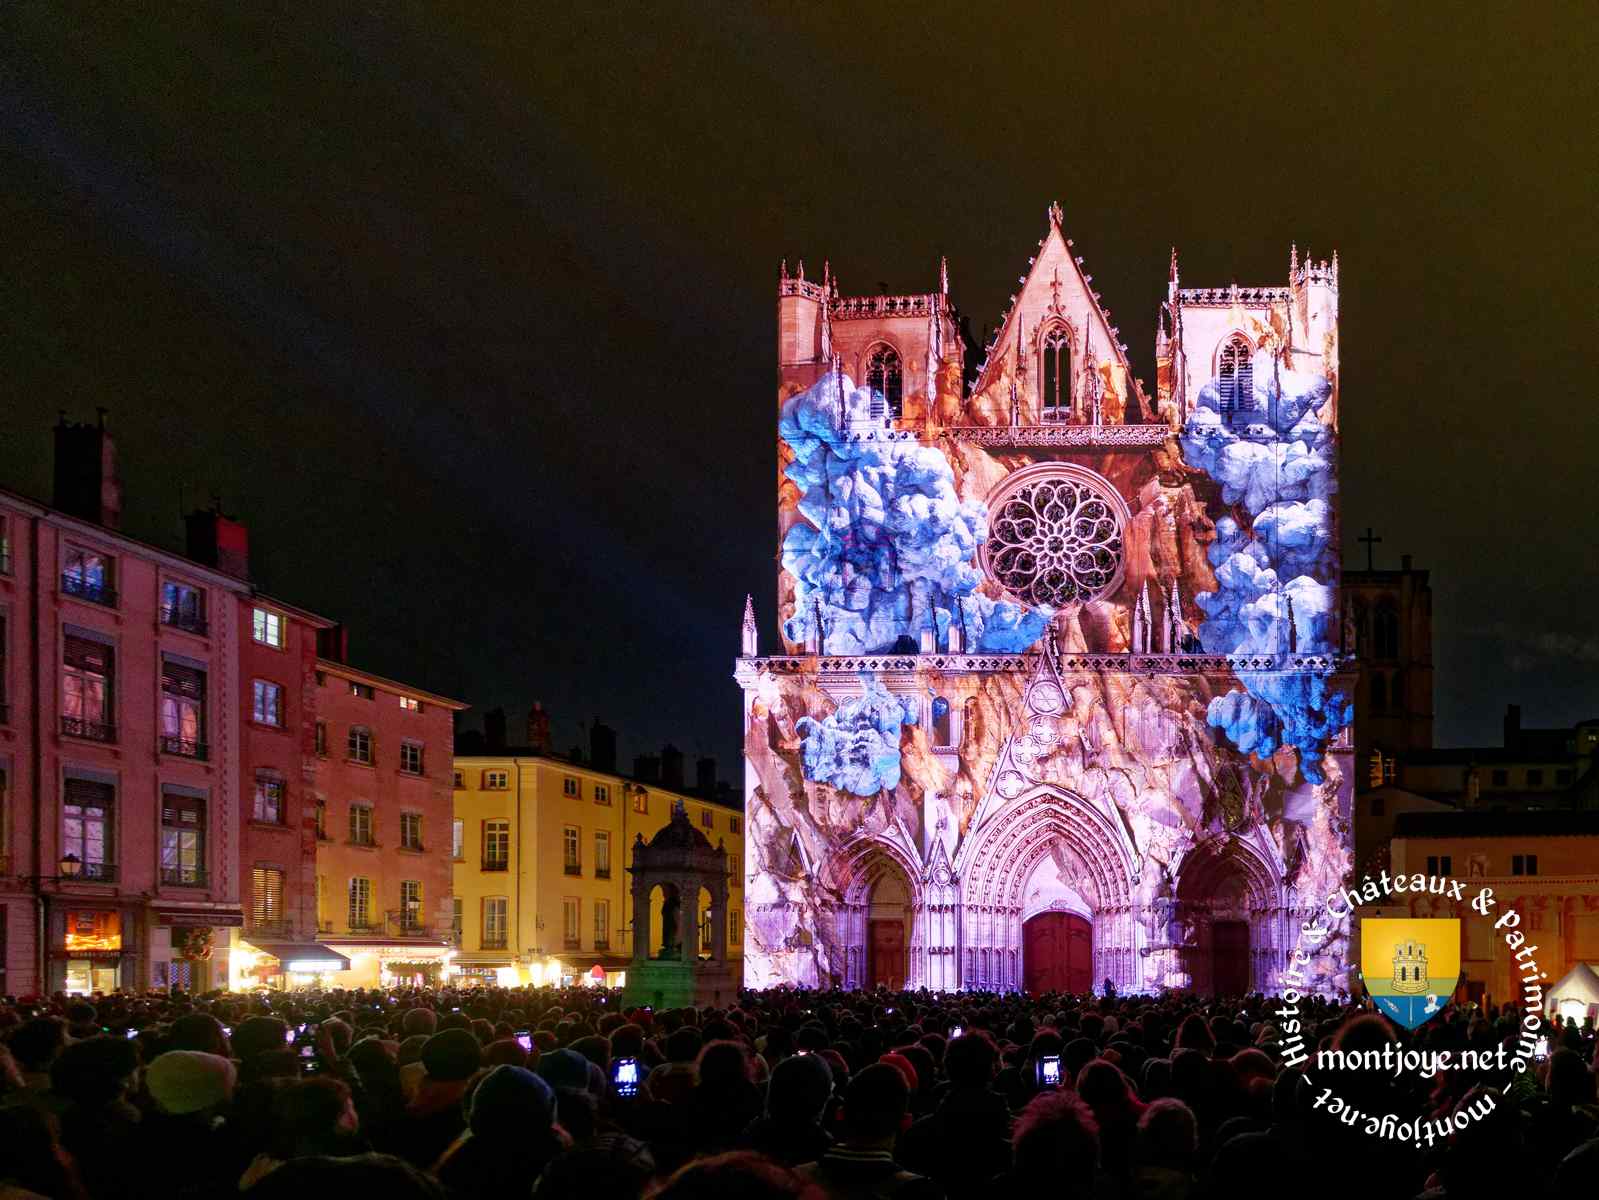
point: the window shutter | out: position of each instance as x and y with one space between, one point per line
182 810
180 680
86 793
86 655
266 899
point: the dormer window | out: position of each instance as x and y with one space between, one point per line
884 378
1055 375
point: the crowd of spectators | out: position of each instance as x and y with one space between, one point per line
814 1095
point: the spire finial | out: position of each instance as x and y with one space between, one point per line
943 275
782 270
1172 275
801 275
1293 261
1056 217
827 274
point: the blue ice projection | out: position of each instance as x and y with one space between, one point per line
1276 577
856 746
888 547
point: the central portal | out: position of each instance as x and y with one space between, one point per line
1057 953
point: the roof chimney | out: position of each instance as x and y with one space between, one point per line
671 767
87 485
602 746
538 728
217 541
705 777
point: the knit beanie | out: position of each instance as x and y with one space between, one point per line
189 1081
510 1100
452 1055
565 1070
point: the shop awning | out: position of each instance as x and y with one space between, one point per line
307 958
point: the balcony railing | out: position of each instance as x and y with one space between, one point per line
602 943
573 868
496 864
94 731
571 943
183 876
184 747
97 872
188 622
492 943
88 589
602 872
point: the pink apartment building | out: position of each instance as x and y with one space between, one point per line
119 742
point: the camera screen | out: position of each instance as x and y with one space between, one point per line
1541 1048
1049 1071
957 1030
625 1076
524 1039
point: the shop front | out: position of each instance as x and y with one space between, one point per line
189 946
285 966
486 970
93 948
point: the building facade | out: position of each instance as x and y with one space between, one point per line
1391 615
119 743
542 845
1065 691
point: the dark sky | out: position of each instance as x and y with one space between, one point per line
471 318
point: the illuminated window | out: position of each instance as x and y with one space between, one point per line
411 758
266 703
87 828
458 838
1055 375
360 910
359 744
182 607
182 709
1235 383
88 668
496 781
182 840
411 904
602 854
267 802
494 922
457 919
602 924
361 690
266 897
409 704
707 933
570 926
361 824
267 628
571 863
884 378
410 831
641 801
88 575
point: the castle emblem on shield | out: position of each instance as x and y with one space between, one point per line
1410 965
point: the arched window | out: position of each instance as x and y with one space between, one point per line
1379 693
1385 632
1235 382
1055 375
942 721
885 378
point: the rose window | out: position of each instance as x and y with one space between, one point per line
1055 536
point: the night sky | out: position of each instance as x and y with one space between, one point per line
471 319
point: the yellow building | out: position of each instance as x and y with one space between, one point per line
1545 865
541 848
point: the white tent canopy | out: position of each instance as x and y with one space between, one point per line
1576 995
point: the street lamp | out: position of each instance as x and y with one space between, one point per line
70 867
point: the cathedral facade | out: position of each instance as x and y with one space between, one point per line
1066 693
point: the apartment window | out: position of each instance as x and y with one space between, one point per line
458 839
1563 777
88 575
321 813
1390 766
602 854
735 935
707 818
496 781
1441 864
707 933
323 920
1501 779
88 669
361 824
1523 864
735 825
569 787
734 875
182 607
411 904
321 739
182 709
268 804
602 794
266 897
182 840
1535 777
360 912
570 861
410 831
266 627
266 703
602 924
458 779
641 801
494 922
569 922
88 828
361 690
410 704
359 744
496 845
411 758
457 919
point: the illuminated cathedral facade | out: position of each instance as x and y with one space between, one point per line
1065 692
